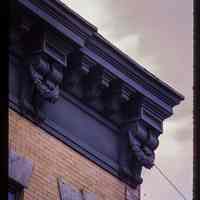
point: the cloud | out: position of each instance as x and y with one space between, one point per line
180 128
130 42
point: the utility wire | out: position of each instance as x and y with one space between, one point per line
170 182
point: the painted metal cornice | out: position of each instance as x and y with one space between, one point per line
85 34
67 67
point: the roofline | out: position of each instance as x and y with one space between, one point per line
120 52
76 15
139 66
172 96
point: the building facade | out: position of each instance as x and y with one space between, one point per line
84 118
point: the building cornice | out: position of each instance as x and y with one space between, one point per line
71 81
87 33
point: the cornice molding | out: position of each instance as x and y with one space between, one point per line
60 54
112 55
66 22
92 40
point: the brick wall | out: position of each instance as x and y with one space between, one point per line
53 159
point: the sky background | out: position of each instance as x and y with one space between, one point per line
157 35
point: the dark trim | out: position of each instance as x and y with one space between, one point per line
79 146
84 91
89 111
42 9
130 67
15 188
52 20
4 102
130 82
196 101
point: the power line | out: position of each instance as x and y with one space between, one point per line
170 182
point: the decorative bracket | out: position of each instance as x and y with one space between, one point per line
121 102
46 58
138 141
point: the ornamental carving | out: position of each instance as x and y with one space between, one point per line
137 150
60 65
45 58
139 139
46 78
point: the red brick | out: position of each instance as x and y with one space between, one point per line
53 159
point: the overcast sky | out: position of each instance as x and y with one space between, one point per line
158 35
